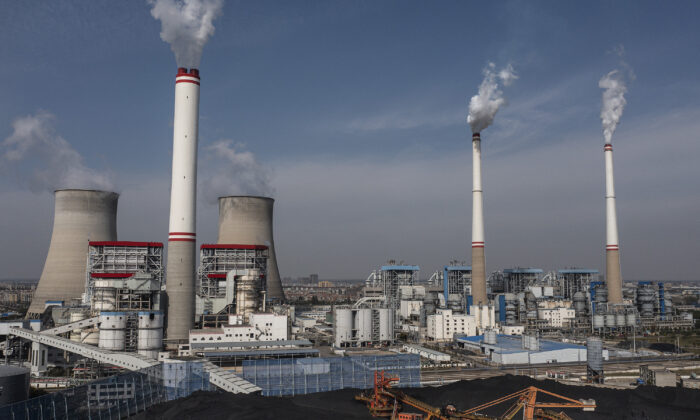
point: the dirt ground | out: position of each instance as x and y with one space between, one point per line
642 403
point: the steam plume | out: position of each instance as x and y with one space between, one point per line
234 171
39 157
484 106
186 25
613 102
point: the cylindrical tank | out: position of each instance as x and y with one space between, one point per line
386 325
645 300
610 320
631 319
248 293
594 357
112 330
104 298
90 336
76 316
150 335
490 336
580 303
79 216
620 319
14 383
598 321
247 220
363 325
601 296
343 326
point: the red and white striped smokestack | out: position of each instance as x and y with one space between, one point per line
180 270
612 246
478 258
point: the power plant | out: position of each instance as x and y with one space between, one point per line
116 327
80 216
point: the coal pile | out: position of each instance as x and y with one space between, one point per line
645 402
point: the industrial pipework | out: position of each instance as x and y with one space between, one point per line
612 248
180 269
478 258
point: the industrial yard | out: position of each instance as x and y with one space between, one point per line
254 233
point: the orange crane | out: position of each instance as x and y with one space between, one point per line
383 401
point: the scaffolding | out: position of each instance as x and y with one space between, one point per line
517 280
572 280
305 376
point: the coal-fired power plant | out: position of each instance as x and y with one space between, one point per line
80 216
180 270
247 220
612 248
478 258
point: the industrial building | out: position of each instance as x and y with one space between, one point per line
509 350
363 327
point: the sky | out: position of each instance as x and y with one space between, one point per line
352 115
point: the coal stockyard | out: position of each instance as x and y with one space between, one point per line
646 402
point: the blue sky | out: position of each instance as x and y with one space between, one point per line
356 112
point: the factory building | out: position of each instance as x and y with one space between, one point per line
259 327
363 327
387 282
574 280
509 350
516 280
444 324
557 317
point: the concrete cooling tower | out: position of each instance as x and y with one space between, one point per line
247 220
80 216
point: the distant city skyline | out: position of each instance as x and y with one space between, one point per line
352 115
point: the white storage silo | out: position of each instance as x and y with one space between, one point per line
343 326
112 330
620 319
150 335
386 325
610 321
76 316
598 321
363 325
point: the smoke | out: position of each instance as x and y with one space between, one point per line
233 171
484 106
186 25
43 160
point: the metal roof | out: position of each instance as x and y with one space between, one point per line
513 344
578 271
265 352
249 344
400 267
458 267
523 270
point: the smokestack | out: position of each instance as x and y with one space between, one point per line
612 248
478 258
79 216
247 220
183 196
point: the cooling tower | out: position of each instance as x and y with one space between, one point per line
478 258
612 248
247 220
80 216
183 196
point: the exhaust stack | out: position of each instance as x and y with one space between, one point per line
478 258
612 248
180 271
247 220
79 216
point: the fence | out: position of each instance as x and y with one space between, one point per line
308 375
115 397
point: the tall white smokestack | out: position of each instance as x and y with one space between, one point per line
612 247
180 271
478 257
80 216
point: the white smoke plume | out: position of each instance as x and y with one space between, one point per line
44 161
484 106
613 102
231 170
186 25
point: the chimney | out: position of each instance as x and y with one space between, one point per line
180 270
247 220
79 216
612 248
478 259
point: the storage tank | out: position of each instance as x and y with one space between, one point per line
490 336
631 319
14 384
610 320
645 300
90 336
112 330
248 298
343 326
76 316
386 325
598 321
620 320
104 298
150 335
580 303
363 325
594 357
